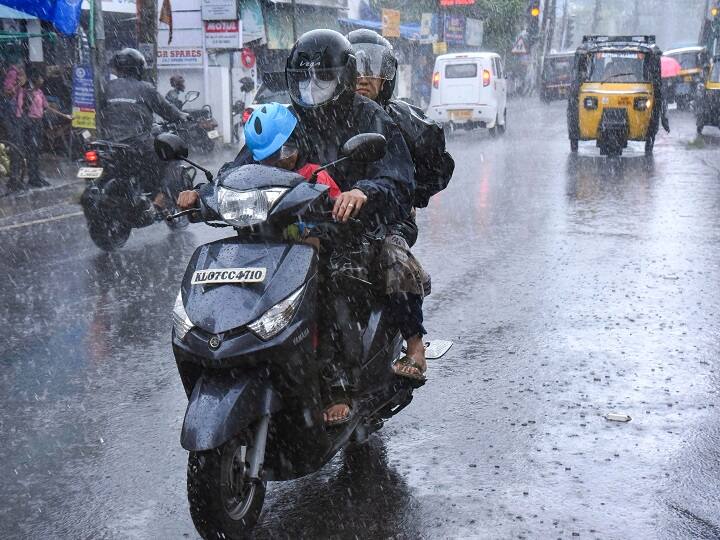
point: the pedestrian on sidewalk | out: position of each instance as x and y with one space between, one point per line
14 79
30 110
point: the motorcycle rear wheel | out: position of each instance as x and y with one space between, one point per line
223 503
108 235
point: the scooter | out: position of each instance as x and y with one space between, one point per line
114 201
200 131
245 339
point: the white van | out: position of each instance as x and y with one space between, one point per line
469 90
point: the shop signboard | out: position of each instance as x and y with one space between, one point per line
219 10
474 32
455 29
223 35
429 28
253 23
83 98
391 23
457 2
180 56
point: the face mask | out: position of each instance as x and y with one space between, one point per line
314 93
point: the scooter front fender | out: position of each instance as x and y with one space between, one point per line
221 405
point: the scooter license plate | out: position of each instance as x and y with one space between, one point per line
218 276
90 173
213 134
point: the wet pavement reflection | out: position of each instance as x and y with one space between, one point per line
572 285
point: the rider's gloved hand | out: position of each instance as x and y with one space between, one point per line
188 199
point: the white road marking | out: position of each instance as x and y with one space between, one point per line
40 221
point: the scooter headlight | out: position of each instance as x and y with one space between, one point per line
276 319
181 322
246 208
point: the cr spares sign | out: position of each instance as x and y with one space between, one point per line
179 56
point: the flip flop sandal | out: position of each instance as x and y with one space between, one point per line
406 361
342 421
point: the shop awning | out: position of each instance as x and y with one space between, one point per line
10 13
407 31
64 14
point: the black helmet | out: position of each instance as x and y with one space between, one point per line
129 63
375 58
320 69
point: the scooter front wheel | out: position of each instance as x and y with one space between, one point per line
224 503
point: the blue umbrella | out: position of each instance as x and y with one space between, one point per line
64 14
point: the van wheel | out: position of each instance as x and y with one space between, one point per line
493 131
502 128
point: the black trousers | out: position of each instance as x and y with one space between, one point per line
31 136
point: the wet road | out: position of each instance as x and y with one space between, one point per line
572 287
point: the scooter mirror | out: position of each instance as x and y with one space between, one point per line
366 147
170 147
192 95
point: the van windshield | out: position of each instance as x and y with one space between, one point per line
622 67
461 71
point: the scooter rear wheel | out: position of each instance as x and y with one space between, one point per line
223 503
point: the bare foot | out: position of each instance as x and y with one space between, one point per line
337 413
416 353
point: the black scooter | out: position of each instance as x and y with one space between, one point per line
245 339
114 201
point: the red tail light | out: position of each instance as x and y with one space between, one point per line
486 77
436 79
91 158
246 115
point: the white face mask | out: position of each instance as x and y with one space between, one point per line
314 93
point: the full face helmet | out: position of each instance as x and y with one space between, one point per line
320 69
375 58
129 63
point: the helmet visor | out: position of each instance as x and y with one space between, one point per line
313 87
374 60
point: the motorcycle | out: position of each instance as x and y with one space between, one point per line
245 339
114 201
200 131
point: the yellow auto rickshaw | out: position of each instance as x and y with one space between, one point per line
707 107
616 94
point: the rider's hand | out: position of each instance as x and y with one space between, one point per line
348 204
188 199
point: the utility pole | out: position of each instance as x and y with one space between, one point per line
147 18
596 17
294 20
565 23
97 55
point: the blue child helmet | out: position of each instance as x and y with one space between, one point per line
268 128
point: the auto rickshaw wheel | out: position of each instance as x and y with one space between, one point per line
574 145
649 145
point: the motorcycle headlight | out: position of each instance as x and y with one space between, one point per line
246 208
276 319
181 322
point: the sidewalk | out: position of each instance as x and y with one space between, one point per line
65 188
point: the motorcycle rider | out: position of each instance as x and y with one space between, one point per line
377 74
126 112
176 95
321 74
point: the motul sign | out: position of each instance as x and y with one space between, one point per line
223 35
221 26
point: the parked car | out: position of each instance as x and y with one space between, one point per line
469 90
